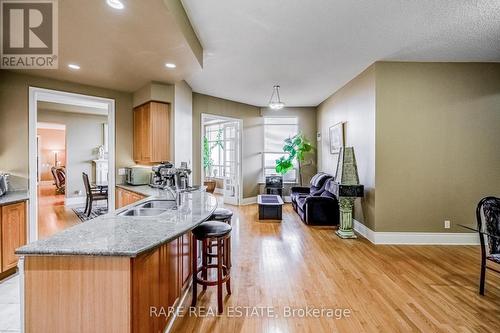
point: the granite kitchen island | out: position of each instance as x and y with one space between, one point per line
105 275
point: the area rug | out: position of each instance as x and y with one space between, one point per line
96 211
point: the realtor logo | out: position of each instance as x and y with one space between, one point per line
29 34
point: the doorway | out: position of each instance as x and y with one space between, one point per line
69 134
221 155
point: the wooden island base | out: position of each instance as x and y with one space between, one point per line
105 294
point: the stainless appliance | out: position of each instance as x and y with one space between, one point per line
182 176
4 185
137 175
163 175
166 175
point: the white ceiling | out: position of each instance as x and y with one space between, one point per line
312 48
120 49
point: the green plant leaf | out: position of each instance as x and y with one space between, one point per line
283 165
296 147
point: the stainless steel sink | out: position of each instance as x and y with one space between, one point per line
161 204
143 212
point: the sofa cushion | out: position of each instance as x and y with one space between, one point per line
301 202
327 194
331 188
318 182
318 179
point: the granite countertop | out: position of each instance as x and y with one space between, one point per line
144 190
14 196
112 235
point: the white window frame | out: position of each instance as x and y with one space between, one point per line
220 167
264 168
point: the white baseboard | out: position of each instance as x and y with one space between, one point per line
416 238
248 201
74 201
364 231
287 199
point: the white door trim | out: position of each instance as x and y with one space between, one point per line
240 171
40 94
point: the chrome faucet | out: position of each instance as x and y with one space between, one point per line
181 182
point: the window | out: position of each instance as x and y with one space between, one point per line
276 130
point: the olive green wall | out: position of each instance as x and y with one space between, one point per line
426 138
252 138
14 119
353 104
437 143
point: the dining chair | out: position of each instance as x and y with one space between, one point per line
93 194
488 211
59 176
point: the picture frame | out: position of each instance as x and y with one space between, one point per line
336 133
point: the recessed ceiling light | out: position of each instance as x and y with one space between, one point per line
116 4
73 66
169 65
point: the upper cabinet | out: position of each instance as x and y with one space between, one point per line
152 132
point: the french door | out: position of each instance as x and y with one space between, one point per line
231 160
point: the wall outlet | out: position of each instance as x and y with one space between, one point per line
447 224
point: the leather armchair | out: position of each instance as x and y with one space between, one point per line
317 184
322 209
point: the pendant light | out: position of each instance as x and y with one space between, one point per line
275 102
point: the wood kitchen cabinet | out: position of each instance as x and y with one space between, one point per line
13 233
152 132
125 198
158 279
185 258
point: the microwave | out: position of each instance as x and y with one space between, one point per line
137 175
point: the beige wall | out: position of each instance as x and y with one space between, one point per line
183 124
252 137
438 143
154 91
84 133
14 119
426 137
353 104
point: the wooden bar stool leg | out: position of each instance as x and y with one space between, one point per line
227 244
209 250
204 261
220 308
194 269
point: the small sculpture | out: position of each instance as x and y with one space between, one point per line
101 152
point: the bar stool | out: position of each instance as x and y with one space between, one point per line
222 215
220 233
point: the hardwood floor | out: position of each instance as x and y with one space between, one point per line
386 288
53 216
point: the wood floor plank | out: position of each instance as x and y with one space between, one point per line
387 288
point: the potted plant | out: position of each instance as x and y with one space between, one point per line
207 166
208 161
296 147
